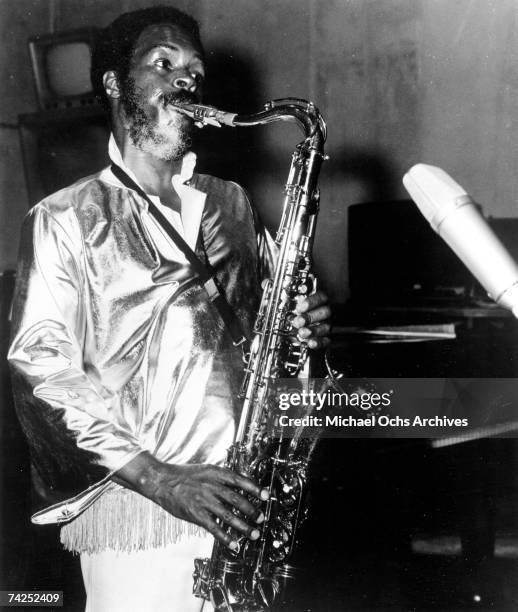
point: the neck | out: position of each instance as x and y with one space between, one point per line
153 174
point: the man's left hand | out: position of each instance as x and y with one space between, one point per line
311 321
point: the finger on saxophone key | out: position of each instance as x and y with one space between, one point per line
254 535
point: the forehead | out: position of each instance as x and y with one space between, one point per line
165 34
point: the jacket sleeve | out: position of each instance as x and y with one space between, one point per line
64 411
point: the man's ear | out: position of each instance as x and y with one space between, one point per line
111 84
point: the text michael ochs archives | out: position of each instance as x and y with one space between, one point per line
365 410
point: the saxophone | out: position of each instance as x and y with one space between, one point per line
252 577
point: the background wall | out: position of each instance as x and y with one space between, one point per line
399 82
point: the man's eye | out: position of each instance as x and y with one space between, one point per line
163 63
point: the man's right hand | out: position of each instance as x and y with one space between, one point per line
198 494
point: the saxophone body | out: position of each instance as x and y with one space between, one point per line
252 577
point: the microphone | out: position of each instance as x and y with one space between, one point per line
457 219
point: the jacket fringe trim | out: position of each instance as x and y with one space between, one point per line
124 521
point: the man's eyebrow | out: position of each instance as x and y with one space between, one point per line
172 47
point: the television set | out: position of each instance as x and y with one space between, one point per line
61 66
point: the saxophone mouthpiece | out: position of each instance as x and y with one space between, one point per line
204 115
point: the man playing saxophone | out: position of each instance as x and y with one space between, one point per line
126 379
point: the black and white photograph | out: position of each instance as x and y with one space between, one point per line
258 305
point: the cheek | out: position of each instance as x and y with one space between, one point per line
150 104
170 121
148 87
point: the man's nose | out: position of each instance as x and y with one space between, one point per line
185 81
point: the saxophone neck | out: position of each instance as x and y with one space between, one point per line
302 112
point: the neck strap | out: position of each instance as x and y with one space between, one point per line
205 272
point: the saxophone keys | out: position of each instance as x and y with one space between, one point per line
308 286
303 263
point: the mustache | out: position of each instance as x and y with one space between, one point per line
182 97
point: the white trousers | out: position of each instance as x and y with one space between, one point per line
155 580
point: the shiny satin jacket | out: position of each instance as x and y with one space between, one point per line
116 347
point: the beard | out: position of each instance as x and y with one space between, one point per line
166 140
